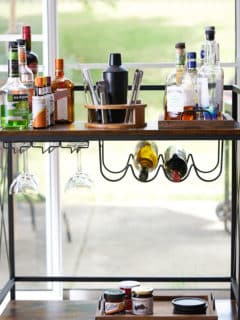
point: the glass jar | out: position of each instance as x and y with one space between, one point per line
114 301
142 300
127 287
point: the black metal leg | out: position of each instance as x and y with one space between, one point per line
11 221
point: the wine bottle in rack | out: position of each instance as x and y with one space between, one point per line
146 158
175 163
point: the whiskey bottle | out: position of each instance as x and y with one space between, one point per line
146 158
173 97
32 58
15 111
64 107
175 163
189 87
210 78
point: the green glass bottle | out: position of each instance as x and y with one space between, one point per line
15 109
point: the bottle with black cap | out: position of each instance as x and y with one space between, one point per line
210 79
116 79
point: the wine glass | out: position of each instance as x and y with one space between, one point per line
80 179
25 182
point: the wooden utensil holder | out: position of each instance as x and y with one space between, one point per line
137 118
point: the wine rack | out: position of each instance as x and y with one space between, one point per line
192 166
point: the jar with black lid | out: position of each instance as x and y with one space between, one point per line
114 301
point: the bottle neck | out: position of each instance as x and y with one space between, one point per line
191 65
59 73
22 56
180 58
13 66
210 53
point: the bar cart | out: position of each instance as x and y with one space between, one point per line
227 309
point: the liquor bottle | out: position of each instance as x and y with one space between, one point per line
32 58
210 79
64 107
15 111
39 105
146 158
189 86
26 74
175 163
173 97
116 78
50 102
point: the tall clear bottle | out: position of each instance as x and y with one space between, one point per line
189 86
64 108
210 78
32 58
26 74
146 158
173 97
15 111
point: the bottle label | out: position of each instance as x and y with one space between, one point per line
142 306
203 95
16 107
175 99
39 111
113 307
62 108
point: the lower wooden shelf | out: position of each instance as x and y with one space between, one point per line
81 310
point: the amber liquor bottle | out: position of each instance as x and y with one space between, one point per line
64 107
32 58
173 97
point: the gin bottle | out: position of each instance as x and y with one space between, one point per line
15 110
173 97
210 79
189 87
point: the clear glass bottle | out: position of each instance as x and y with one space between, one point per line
146 158
175 163
173 97
189 86
210 79
32 58
26 74
64 107
15 111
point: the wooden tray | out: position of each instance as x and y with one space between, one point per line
163 310
137 116
226 121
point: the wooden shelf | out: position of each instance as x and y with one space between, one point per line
71 310
78 131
